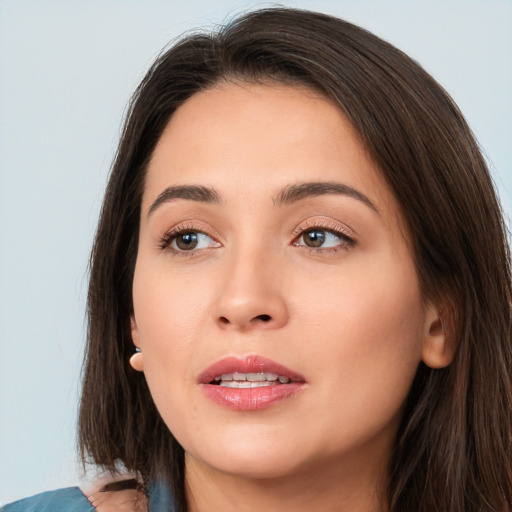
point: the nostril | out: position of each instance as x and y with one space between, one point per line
264 318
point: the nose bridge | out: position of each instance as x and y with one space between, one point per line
250 295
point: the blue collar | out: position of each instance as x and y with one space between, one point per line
160 498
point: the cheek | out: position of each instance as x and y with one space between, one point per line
169 314
369 331
168 308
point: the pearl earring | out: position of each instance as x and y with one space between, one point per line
137 361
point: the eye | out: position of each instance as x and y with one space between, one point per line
323 236
187 241
316 238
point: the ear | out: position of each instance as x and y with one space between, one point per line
439 343
137 360
134 331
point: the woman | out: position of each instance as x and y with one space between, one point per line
300 286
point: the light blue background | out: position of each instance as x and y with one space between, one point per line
67 69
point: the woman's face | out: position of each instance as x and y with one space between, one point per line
270 245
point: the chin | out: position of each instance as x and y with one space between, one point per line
261 468
251 458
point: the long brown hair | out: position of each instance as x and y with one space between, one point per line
454 446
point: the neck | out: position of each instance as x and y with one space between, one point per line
333 487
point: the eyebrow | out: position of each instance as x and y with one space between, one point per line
288 195
294 193
191 192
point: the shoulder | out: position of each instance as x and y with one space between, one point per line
72 499
63 500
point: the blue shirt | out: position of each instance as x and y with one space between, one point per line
72 499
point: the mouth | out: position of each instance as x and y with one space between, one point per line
243 372
249 380
249 383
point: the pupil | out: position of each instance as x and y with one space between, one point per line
187 241
315 238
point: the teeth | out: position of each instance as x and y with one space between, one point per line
246 384
248 380
256 377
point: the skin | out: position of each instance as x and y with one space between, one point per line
349 315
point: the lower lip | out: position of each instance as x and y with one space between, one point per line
251 399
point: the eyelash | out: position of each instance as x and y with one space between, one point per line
346 237
182 229
347 240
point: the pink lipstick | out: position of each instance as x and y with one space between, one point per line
249 383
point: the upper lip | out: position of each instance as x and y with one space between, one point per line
247 364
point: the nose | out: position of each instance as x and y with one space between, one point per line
251 295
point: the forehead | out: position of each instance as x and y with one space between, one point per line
244 138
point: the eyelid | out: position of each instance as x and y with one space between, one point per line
183 227
327 224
